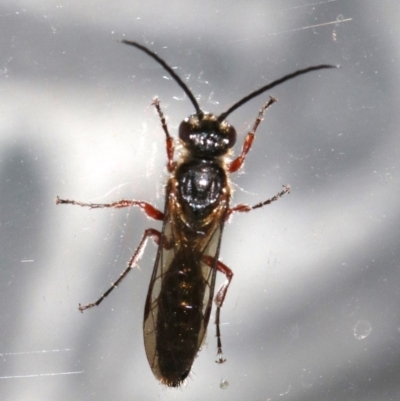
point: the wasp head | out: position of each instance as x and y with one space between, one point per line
205 136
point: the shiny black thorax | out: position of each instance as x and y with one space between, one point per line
201 182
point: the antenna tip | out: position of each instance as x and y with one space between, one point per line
135 44
331 66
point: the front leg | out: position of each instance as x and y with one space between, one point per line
237 163
169 141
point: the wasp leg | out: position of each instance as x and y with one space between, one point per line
241 207
149 209
169 141
237 163
149 233
219 299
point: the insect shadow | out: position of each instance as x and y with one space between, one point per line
197 205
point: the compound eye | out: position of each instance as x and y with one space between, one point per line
231 136
185 129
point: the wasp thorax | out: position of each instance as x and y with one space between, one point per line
205 136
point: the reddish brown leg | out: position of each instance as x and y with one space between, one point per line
149 209
219 298
169 141
246 208
149 233
237 163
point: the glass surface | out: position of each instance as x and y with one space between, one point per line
313 309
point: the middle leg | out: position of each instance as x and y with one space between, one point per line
149 209
241 207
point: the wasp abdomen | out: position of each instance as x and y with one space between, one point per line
179 318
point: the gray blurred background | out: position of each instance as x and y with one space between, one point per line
313 309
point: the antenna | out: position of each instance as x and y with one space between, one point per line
171 72
279 81
241 102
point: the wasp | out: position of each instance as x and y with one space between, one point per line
197 205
